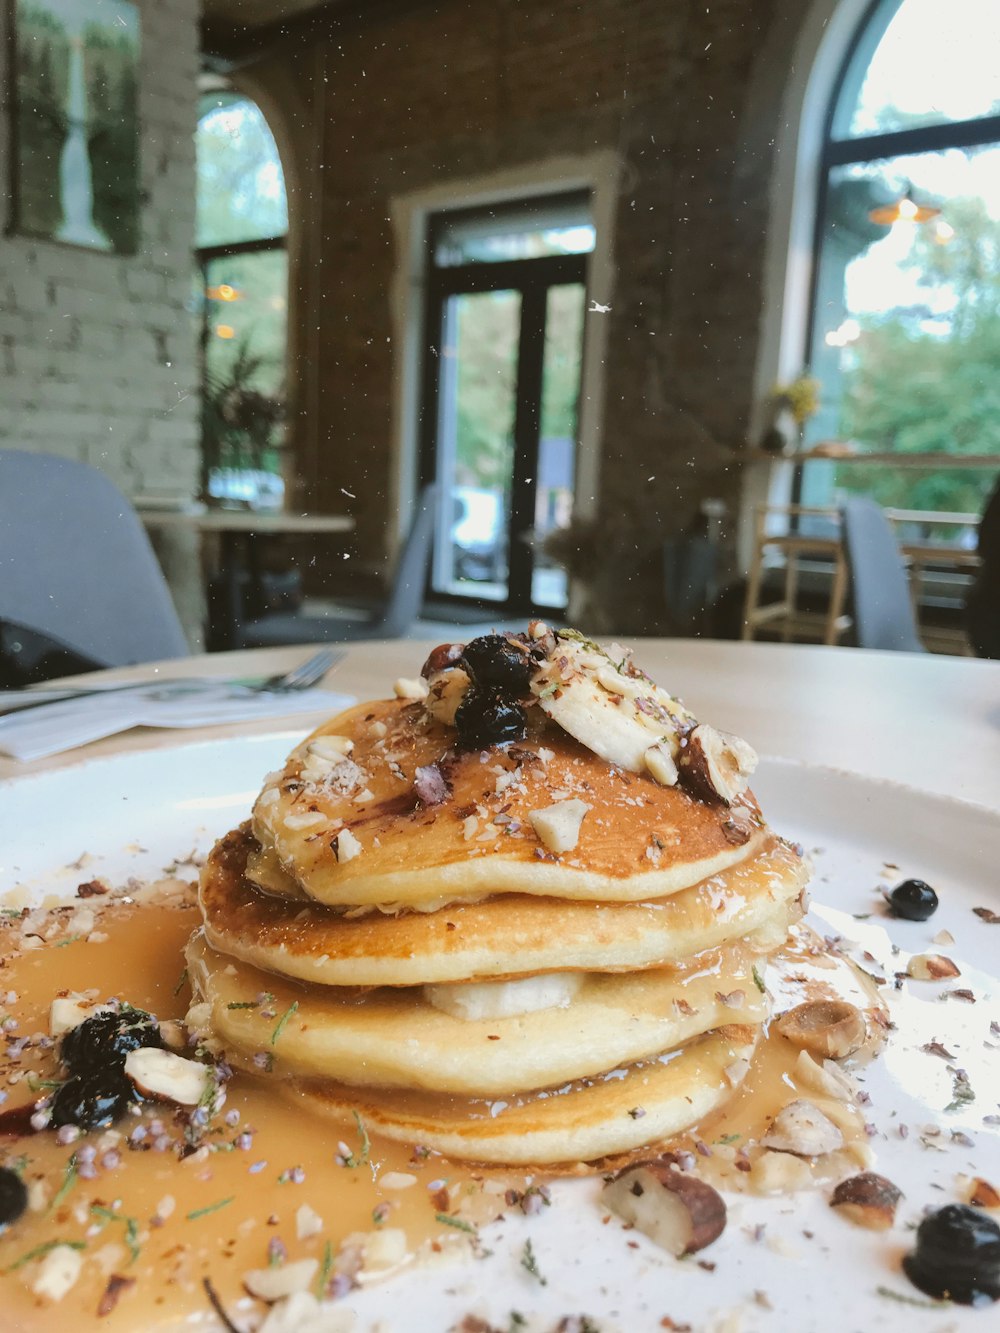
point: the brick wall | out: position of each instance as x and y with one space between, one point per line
415 95
97 351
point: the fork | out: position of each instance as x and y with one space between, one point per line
304 676
301 677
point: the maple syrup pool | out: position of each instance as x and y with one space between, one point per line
150 1222
153 1214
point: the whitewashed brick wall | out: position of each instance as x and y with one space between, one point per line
98 352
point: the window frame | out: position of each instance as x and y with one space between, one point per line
533 277
845 150
205 255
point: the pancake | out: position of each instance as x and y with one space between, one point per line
515 914
638 839
396 1038
502 937
623 1110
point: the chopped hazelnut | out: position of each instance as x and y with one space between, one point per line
716 767
558 826
867 1199
679 1212
830 1029
802 1128
406 688
931 967
346 846
983 1194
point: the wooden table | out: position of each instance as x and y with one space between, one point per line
930 722
236 529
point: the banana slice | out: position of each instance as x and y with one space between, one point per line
474 1000
607 706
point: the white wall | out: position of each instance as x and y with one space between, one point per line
98 352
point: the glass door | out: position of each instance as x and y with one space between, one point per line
501 392
477 408
555 468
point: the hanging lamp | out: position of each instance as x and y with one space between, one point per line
905 209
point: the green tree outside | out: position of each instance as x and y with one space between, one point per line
915 390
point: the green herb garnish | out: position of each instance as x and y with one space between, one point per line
910 1300
69 1180
962 1091
210 1208
44 1248
458 1223
758 980
529 1263
36 1084
279 1027
361 1157
131 1227
325 1269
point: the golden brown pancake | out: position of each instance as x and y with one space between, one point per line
581 1122
638 840
501 937
396 1038
525 951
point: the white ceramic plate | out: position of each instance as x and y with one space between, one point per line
137 813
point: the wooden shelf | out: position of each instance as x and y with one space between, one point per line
961 462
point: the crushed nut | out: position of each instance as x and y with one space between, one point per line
678 1212
867 1199
830 1029
802 1128
931 967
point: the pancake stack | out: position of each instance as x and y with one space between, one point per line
518 913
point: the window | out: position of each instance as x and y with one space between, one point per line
242 224
905 327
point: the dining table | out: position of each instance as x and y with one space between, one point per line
926 721
875 765
238 532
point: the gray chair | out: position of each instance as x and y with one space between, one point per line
391 621
879 599
78 577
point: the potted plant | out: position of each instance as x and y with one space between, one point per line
241 440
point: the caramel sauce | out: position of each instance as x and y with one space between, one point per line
164 1222
241 1206
801 971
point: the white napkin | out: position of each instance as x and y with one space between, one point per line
57 727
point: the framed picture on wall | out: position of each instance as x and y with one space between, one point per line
75 126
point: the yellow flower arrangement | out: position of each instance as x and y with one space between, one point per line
800 397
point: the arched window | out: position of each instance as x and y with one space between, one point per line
242 225
905 325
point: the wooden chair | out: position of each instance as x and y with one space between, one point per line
934 566
779 543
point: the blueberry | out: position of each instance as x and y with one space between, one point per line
913 900
494 662
957 1256
13 1197
106 1039
93 1100
485 717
